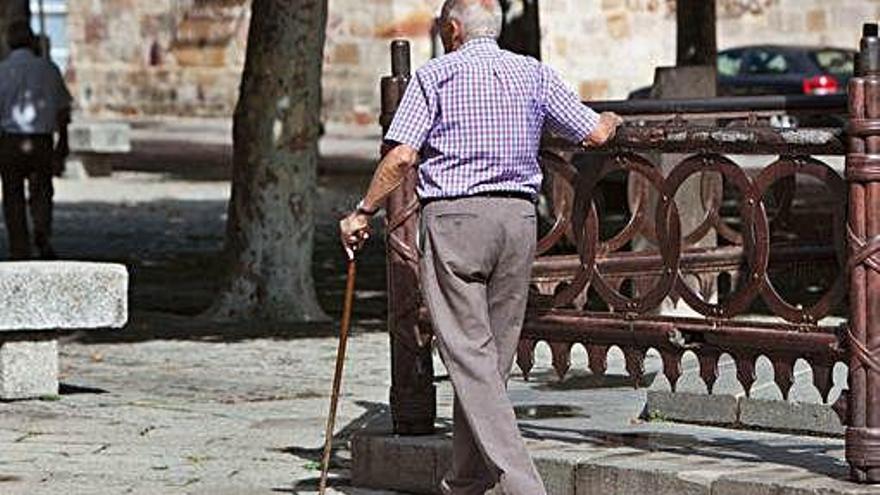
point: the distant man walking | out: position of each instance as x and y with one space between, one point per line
34 105
476 116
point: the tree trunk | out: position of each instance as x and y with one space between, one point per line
697 41
11 10
275 134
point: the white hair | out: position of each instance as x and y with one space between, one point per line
478 18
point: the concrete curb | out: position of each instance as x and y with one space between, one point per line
415 465
743 412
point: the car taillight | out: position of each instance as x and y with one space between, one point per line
821 85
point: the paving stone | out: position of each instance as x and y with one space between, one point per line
692 408
785 481
407 464
28 370
639 472
795 416
558 468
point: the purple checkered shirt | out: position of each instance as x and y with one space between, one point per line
477 116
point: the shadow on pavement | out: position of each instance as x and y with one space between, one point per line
816 457
340 458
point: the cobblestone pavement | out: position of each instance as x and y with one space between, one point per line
183 416
173 404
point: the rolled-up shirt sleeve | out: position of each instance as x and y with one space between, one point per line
415 116
564 113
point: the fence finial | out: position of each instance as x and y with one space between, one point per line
869 55
400 64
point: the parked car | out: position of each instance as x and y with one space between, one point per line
778 69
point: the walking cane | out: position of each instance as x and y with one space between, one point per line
337 377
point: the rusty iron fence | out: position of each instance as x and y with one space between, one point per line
698 231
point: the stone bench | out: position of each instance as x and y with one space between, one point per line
42 300
92 146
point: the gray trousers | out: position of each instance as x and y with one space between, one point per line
475 268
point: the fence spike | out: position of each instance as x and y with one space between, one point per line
783 372
525 356
597 356
709 368
671 366
561 352
635 364
674 297
823 379
745 371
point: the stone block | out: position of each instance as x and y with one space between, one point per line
618 25
99 137
346 53
28 370
613 4
406 464
692 408
558 468
594 89
634 471
763 409
794 416
816 20
782 480
62 295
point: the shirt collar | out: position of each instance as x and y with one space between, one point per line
480 46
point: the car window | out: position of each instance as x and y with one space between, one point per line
729 63
763 61
835 62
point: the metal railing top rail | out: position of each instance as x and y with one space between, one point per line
752 140
726 104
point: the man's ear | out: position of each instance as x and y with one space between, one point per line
457 31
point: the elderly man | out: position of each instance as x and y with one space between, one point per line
476 116
34 104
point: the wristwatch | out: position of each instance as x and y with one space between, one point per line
361 209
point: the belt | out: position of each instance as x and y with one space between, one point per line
487 194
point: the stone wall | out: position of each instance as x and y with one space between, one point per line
177 57
184 57
607 48
357 53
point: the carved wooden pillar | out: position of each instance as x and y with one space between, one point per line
863 174
412 396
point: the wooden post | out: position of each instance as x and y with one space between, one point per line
863 174
412 397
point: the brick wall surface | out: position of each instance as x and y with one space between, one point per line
607 48
179 57
184 57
